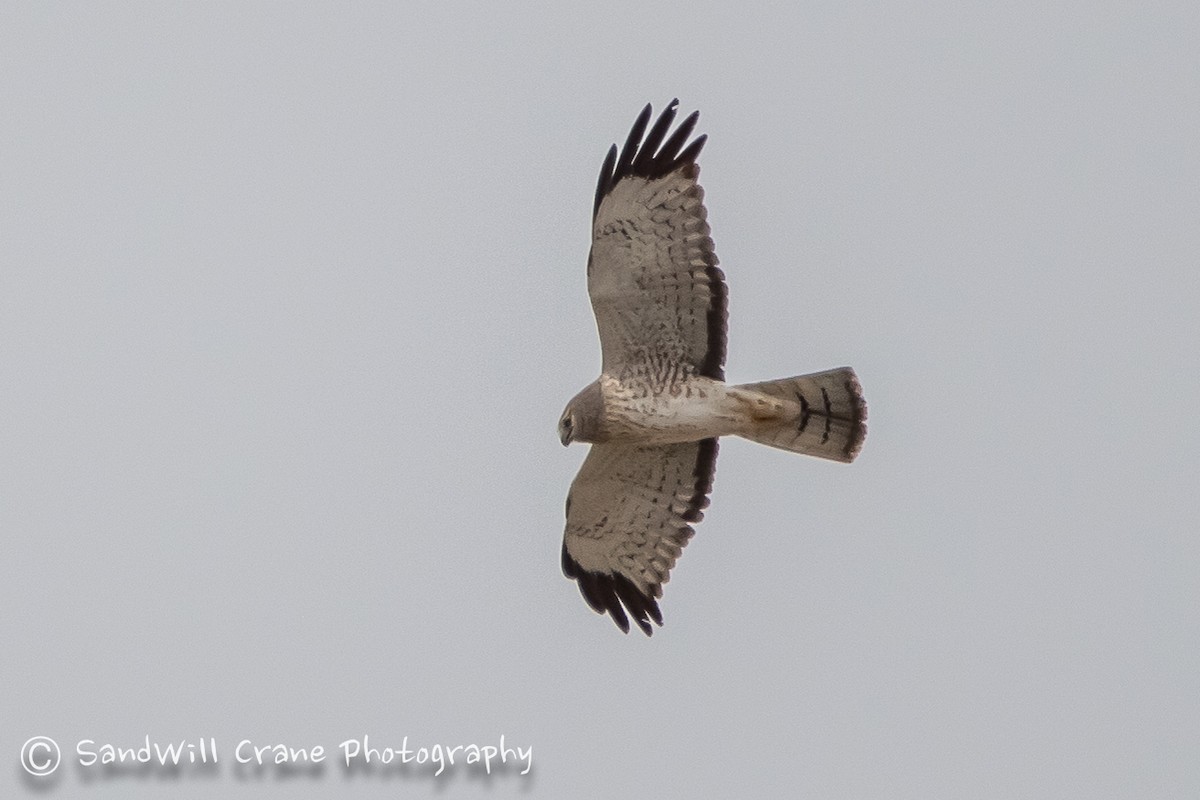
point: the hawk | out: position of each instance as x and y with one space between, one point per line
654 415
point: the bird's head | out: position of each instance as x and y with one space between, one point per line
566 427
581 419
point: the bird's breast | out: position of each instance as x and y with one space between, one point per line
682 411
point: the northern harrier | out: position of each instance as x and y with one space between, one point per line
654 414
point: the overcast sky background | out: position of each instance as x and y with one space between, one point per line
291 298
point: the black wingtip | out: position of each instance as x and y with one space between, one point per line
607 592
632 144
650 157
604 184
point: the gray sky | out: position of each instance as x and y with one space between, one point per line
291 298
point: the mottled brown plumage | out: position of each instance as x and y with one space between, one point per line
654 415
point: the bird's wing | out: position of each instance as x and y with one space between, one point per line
658 296
628 518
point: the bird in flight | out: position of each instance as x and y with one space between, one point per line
654 415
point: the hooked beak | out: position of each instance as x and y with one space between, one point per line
564 435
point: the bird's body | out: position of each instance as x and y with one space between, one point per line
697 408
684 411
654 415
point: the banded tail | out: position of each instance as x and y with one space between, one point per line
822 414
